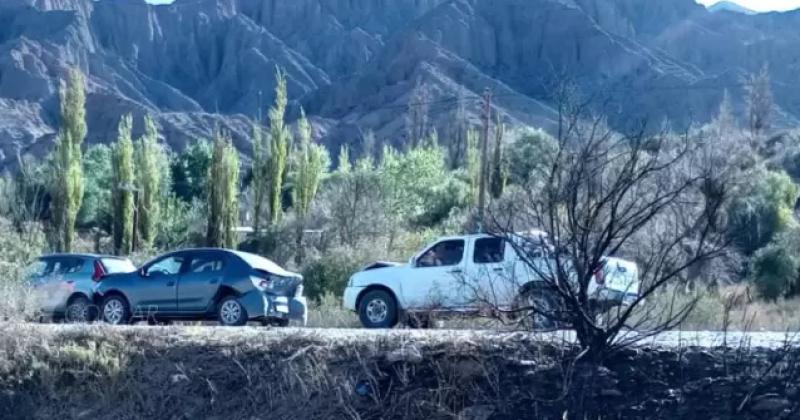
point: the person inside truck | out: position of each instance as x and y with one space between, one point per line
442 254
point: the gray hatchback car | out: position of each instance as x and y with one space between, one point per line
204 284
64 283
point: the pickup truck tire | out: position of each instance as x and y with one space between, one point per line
378 309
545 302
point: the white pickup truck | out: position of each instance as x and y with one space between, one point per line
467 274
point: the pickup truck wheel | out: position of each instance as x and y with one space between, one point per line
378 309
544 303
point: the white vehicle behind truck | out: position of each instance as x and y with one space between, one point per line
467 274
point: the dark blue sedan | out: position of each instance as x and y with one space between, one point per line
204 284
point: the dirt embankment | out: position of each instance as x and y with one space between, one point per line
101 372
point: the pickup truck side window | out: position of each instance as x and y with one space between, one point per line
489 251
443 254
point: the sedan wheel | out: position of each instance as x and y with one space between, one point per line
115 311
231 312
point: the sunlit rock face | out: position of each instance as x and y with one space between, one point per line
201 65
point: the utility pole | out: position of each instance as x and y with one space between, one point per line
487 118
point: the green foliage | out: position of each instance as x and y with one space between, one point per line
190 171
498 175
280 140
411 180
312 163
330 273
530 156
354 198
124 178
761 209
96 210
223 194
67 166
776 267
473 160
179 224
261 149
151 159
344 160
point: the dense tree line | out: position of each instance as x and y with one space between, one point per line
327 216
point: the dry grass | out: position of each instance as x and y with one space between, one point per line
330 313
731 309
103 372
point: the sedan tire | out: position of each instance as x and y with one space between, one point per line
116 311
231 313
378 309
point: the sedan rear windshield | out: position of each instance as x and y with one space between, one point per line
118 265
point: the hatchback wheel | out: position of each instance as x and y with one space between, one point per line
79 309
378 309
231 313
116 310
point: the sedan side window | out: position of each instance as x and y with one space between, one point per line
445 253
206 264
167 266
489 251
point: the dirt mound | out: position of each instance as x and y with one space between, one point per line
174 373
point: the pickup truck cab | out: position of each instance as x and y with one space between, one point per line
467 274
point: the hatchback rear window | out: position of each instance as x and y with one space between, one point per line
117 265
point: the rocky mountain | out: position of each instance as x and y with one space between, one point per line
730 6
354 64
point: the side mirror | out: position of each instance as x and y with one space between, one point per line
412 262
142 272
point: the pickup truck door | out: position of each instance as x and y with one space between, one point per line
491 280
436 277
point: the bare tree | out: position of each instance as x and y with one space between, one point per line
642 196
759 101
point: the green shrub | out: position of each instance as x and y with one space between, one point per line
762 209
775 271
331 273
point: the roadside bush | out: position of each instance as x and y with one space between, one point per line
776 268
763 209
17 250
329 274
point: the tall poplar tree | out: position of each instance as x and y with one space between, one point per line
261 173
124 188
67 175
223 194
280 140
498 175
150 163
312 162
